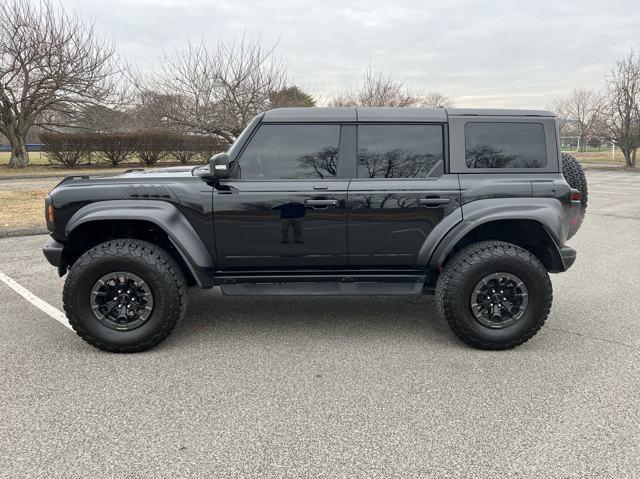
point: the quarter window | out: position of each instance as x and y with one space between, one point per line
505 145
399 151
289 152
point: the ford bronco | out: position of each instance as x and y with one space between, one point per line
474 206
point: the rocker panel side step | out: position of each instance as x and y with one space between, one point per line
324 288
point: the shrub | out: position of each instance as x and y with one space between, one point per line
68 149
152 146
113 148
208 146
182 147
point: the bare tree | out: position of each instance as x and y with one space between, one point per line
216 91
435 99
378 89
581 114
623 111
49 61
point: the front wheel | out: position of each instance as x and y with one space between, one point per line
494 295
124 296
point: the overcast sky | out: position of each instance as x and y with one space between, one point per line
481 53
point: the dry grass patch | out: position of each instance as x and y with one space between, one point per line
22 209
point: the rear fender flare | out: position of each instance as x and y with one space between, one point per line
546 211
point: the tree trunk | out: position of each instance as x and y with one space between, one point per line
628 156
19 154
633 157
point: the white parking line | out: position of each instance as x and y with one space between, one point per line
33 299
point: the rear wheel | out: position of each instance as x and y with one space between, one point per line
574 175
494 295
124 295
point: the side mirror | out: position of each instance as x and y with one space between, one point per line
219 167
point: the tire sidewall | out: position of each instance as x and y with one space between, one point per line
85 279
538 297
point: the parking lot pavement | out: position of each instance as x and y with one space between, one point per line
615 193
328 387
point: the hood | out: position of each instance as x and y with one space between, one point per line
162 172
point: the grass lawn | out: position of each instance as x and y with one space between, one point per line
22 209
599 157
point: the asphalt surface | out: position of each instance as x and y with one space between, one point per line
336 387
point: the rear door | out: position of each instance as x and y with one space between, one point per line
286 205
401 193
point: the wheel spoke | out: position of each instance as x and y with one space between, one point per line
499 300
121 300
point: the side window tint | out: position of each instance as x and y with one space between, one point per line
505 145
280 152
399 151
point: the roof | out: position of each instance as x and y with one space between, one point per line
348 114
496 112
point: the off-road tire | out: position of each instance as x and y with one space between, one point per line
146 260
462 272
574 175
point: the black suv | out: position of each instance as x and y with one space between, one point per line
471 205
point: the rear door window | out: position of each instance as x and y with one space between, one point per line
400 151
505 145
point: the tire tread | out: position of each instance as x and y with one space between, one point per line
141 250
451 279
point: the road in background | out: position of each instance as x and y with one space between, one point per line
345 386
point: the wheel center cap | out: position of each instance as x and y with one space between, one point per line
124 298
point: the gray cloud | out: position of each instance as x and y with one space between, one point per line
482 53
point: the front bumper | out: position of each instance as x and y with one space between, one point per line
54 252
568 256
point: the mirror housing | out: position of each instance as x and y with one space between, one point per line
219 167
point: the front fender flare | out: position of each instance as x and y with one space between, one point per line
164 215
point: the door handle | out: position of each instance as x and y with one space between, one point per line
320 187
432 202
321 203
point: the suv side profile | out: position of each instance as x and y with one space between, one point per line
469 205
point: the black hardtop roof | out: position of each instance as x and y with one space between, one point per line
349 114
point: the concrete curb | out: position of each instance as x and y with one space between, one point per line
23 232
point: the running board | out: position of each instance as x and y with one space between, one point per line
322 285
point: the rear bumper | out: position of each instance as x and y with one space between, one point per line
568 256
53 251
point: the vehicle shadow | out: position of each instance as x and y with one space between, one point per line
212 316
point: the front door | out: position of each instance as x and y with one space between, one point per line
401 193
285 206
